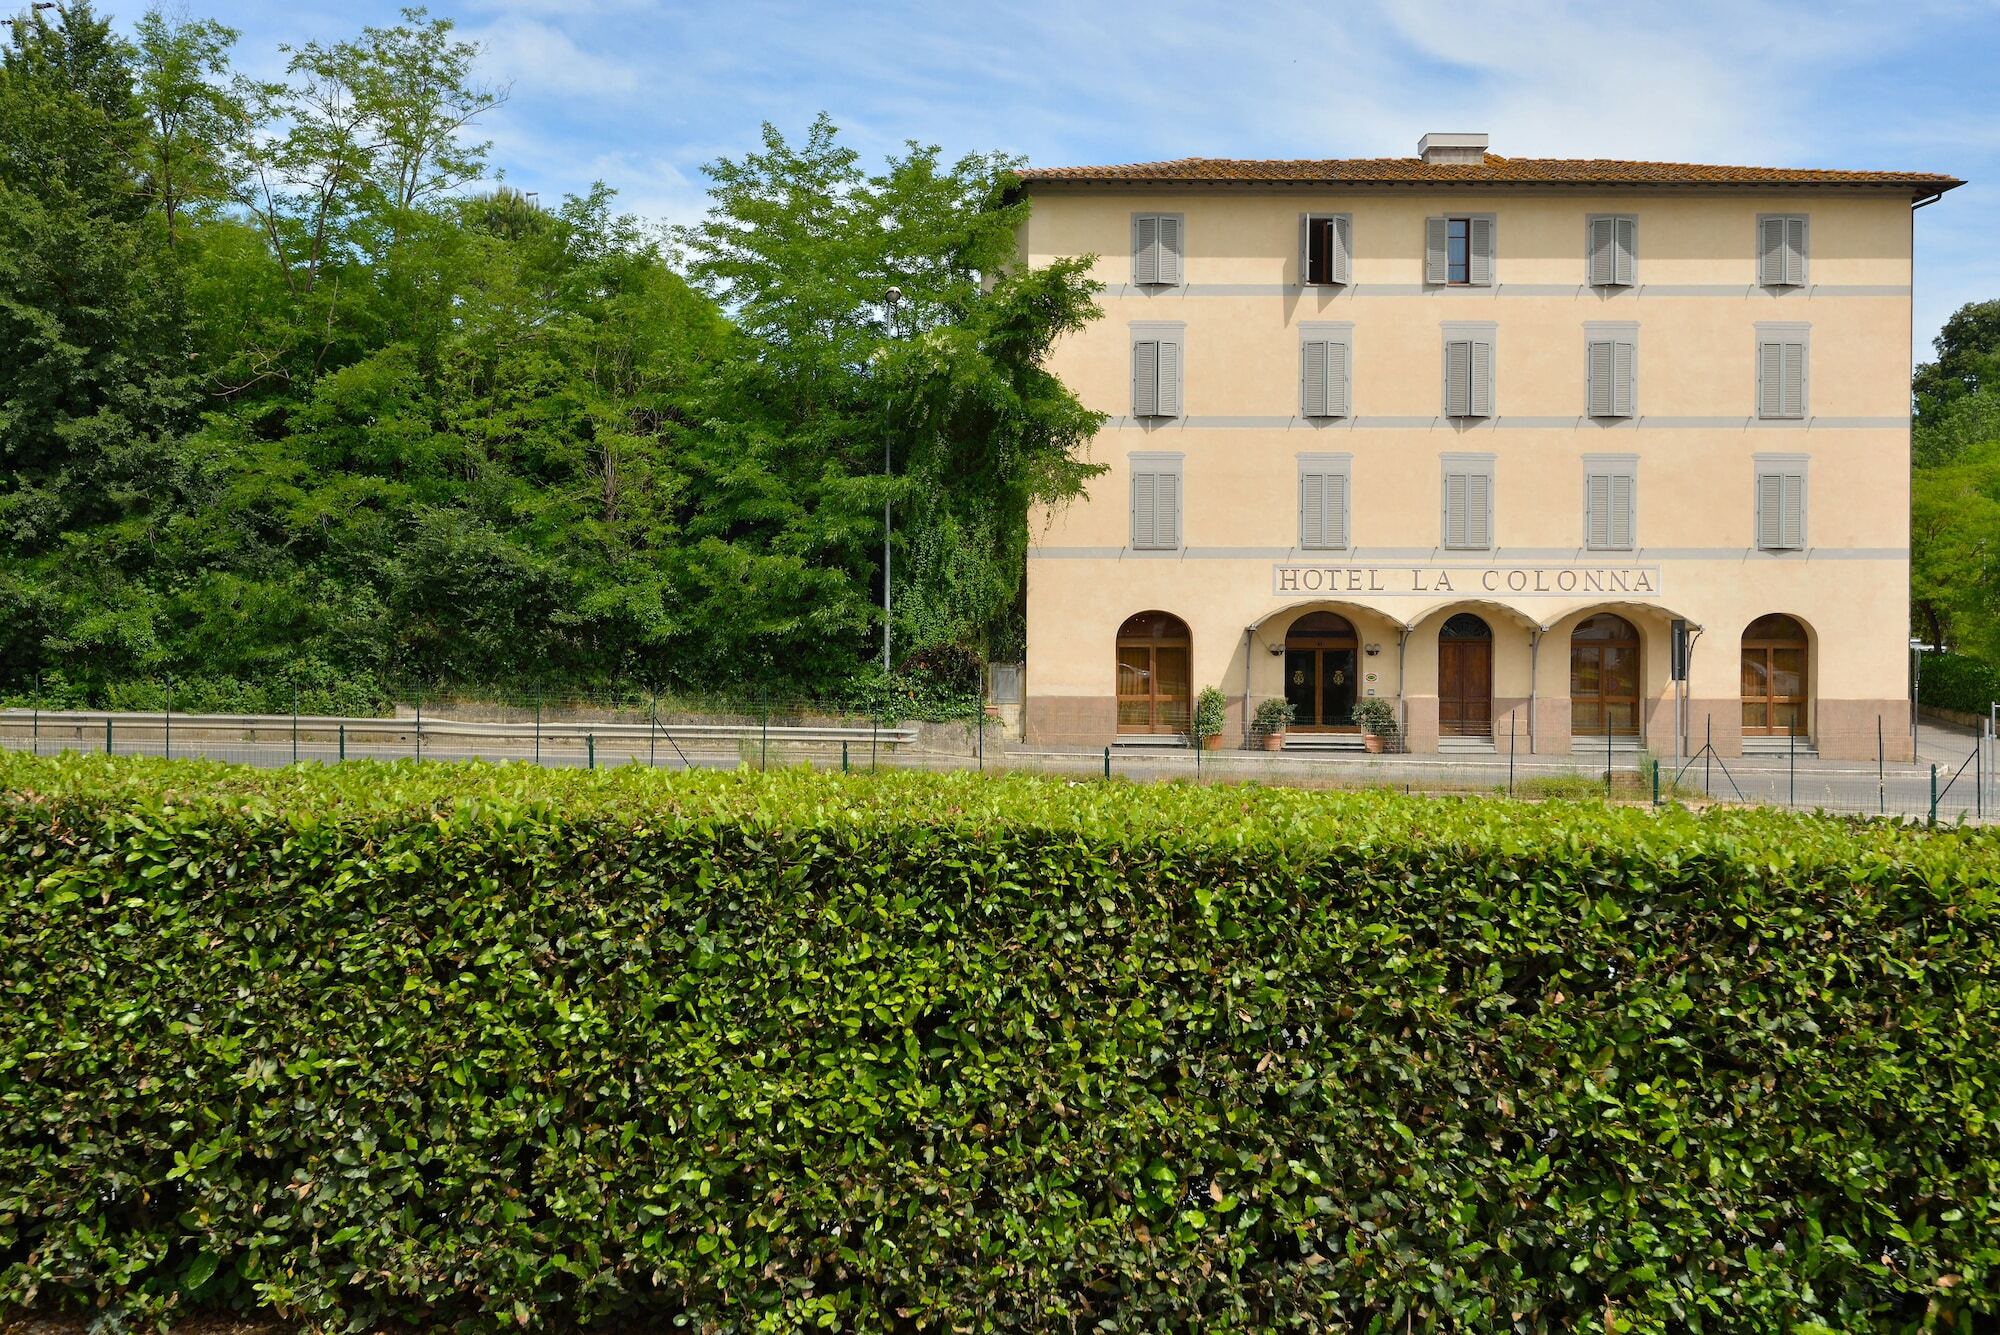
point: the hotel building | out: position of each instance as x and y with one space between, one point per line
1562 453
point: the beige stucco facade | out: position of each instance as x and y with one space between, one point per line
1239 578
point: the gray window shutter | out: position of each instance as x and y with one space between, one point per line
1458 378
1305 249
1625 269
1145 504
1479 504
1145 249
1312 380
1603 371
1343 249
1620 533
1336 380
1597 511
1623 378
1795 251
1603 262
1336 509
1771 251
1793 510
1167 524
1437 243
1146 379
1770 506
1770 380
1479 272
1312 510
1795 379
1456 534
1482 379
1169 270
1170 379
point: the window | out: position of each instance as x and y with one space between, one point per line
1610 491
1323 501
1781 249
1156 502
1781 503
1324 369
1156 249
1459 251
1781 371
1156 368
1611 355
1468 502
1155 687
1468 369
1612 249
1326 249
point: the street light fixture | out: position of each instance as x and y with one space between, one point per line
893 297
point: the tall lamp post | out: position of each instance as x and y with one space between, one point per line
893 297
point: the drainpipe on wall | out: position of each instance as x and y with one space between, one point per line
1249 637
1534 681
1402 705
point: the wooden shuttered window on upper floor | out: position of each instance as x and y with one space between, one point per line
1781 250
1156 507
1323 378
1156 249
1614 251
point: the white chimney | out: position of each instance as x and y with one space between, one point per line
1452 149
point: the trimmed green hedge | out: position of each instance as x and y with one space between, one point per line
773 1052
1958 681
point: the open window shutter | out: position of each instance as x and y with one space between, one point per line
1312 393
1340 237
1479 504
1795 251
1770 506
1146 249
1597 510
1458 378
1770 379
1771 251
1482 379
1625 266
1336 509
1793 526
1145 379
1336 380
1623 378
1169 270
1603 263
1167 524
1170 379
1455 511
1437 243
1145 504
1602 369
1479 272
1308 225
1795 380
1620 530
1312 510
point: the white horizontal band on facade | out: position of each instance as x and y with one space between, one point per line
1459 292
1464 427
1363 555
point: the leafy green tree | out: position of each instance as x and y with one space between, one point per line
1968 360
1955 552
190 114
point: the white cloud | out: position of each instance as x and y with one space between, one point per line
533 54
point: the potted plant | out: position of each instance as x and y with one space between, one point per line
1271 720
1378 723
1210 711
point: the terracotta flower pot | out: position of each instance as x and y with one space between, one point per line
1274 741
1212 743
1372 743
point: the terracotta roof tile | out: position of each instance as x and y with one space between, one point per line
1495 170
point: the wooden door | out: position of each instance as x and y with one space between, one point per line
1465 688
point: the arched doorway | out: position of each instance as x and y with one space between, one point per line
1320 673
1775 657
1153 674
1604 677
1465 677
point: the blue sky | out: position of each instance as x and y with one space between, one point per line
642 94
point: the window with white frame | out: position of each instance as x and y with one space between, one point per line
1157 347
1157 249
1781 249
1326 248
1459 250
1610 502
1325 368
1782 363
1611 243
1781 502
1611 369
1468 369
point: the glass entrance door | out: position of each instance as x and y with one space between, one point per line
1319 683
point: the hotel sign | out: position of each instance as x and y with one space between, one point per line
1528 581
